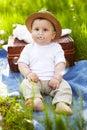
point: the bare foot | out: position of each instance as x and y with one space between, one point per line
63 108
36 104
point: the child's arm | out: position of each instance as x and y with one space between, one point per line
26 72
59 70
58 74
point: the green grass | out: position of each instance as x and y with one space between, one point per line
17 117
71 14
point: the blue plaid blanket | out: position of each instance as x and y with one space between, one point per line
75 75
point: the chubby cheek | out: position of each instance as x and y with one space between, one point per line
33 36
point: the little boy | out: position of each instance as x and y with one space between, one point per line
42 63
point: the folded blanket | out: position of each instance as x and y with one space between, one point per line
77 78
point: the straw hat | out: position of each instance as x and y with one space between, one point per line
46 15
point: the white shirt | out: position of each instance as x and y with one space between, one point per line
42 58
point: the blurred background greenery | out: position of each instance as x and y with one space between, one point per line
71 14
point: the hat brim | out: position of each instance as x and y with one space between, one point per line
46 15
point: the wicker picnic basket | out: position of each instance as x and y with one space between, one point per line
67 44
14 51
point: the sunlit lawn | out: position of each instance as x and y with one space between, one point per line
71 14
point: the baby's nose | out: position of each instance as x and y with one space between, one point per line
41 32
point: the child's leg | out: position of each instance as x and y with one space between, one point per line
31 93
62 98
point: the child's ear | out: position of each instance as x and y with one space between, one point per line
53 35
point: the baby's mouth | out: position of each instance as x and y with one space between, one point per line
41 38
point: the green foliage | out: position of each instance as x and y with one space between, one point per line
15 117
71 14
53 121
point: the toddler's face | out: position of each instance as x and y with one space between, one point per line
43 31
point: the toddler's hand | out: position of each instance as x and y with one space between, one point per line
54 83
32 77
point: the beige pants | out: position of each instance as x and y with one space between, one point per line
34 90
